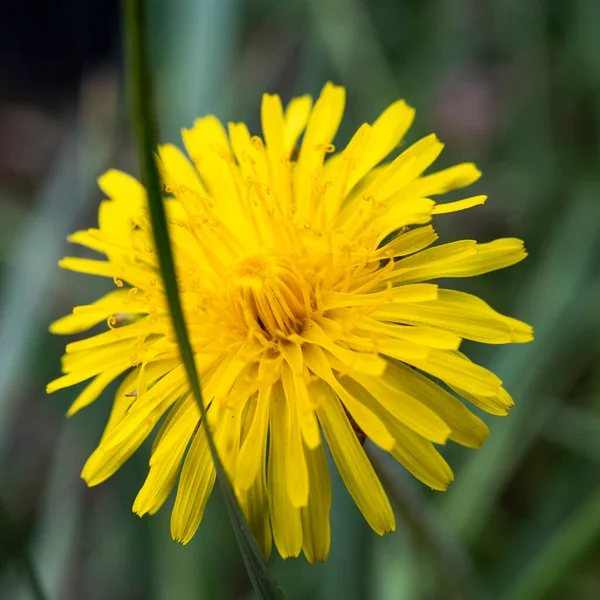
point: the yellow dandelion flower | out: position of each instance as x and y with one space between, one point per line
301 274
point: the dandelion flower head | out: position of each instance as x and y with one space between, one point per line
304 275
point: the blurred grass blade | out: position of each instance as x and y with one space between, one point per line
29 275
563 267
576 429
195 46
143 118
13 544
448 558
58 521
367 59
569 544
348 570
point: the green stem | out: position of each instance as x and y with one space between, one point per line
142 110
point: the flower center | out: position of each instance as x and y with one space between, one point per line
271 295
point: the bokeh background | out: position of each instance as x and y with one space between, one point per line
511 85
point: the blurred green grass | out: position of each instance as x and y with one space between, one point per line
512 86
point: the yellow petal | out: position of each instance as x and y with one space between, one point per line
419 457
274 131
118 301
467 428
126 393
255 171
296 116
352 462
124 398
294 452
106 460
423 336
163 473
322 126
402 406
443 254
400 214
94 240
373 427
94 389
387 132
449 207
91 267
402 349
292 354
75 323
414 452
208 147
71 379
252 455
296 392
133 330
360 361
159 482
408 243
453 178
459 259
177 171
254 500
406 293
338 171
128 200
123 189
456 370
117 353
404 169
462 314
316 536
273 125
285 517
230 438
254 503
104 463
195 486
114 224
184 414
498 403
164 393
222 378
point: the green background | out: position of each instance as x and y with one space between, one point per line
513 86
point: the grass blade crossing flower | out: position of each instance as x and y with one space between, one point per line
305 279
142 105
